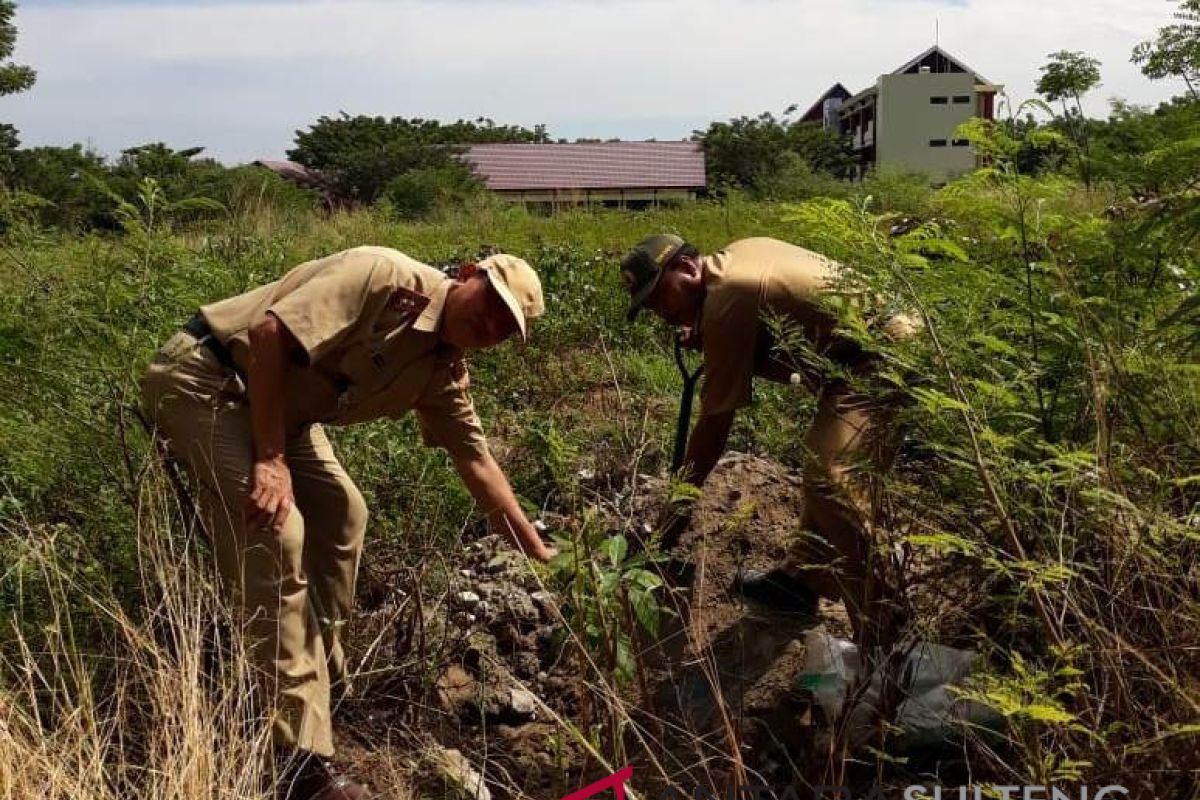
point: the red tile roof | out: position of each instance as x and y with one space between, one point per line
600 165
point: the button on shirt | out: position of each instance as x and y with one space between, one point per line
367 320
747 283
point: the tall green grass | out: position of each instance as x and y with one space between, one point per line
1050 474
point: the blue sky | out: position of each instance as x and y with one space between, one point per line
239 76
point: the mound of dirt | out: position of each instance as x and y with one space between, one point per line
729 669
488 684
491 681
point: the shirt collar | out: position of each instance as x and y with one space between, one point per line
431 318
708 264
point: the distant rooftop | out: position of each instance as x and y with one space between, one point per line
935 59
292 171
599 165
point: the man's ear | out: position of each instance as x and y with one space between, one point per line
689 266
467 271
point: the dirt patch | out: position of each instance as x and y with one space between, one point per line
729 670
487 676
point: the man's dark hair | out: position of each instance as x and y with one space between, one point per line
687 250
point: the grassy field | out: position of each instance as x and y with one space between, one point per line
1051 466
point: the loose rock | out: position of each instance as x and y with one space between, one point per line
523 703
454 765
544 601
501 562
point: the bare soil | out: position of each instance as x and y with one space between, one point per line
481 671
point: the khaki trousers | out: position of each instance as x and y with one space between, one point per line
292 590
851 444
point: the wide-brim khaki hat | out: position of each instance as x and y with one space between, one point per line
518 286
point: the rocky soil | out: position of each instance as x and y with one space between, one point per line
482 690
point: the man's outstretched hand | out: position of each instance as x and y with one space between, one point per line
539 552
546 550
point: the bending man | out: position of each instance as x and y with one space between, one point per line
755 308
241 393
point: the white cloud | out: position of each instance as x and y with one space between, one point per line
241 76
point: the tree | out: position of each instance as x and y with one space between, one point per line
181 174
1069 75
824 150
1176 51
744 150
751 152
69 179
13 78
419 192
1039 148
1122 144
361 156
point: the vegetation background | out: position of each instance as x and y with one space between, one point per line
1053 445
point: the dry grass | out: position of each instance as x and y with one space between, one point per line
164 707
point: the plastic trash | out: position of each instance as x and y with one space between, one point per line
928 715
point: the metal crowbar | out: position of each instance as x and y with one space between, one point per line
685 404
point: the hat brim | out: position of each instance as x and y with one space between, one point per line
643 294
510 300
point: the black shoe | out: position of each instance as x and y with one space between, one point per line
306 776
777 589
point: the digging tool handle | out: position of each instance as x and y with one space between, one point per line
685 405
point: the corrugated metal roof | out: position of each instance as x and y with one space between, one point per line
599 165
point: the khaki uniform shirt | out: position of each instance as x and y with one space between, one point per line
367 319
745 284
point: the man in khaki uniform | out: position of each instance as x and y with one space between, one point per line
733 304
241 394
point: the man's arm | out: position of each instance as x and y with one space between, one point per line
270 497
704 449
490 488
708 441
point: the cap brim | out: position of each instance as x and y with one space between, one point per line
639 299
509 300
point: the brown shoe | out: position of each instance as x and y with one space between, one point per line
306 776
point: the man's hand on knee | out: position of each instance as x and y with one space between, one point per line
271 498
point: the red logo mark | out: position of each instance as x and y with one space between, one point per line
616 781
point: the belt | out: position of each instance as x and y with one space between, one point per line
198 327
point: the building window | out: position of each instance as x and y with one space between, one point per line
962 142
939 101
937 142
961 99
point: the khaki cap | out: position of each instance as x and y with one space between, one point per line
518 286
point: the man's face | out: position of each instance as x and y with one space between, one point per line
679 292
475 316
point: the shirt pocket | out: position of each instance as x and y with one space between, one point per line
379 364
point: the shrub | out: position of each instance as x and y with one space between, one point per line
417 193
